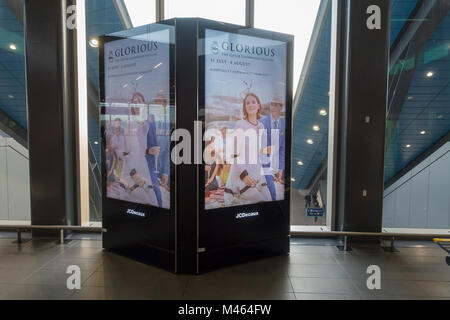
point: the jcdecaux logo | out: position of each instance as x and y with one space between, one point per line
243 215
135 213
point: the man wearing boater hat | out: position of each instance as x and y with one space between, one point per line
163 139
151 155
276 128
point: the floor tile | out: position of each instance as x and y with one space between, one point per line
24 262
435 289
329 286
13 276
82 252
325 296
35 292
392 288
314 249
317 271
37 270
53 278
301 258
62 263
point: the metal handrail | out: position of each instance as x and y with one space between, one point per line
391 235
345 234
366 234
35 227
20 228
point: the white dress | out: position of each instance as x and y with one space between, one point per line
247 163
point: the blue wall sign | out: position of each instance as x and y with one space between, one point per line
314 212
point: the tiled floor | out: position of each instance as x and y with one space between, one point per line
37 270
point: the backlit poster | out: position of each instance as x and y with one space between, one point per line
245 101
137 121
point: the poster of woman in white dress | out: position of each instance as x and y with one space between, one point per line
137 119
245 99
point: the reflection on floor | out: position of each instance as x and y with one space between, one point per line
313 270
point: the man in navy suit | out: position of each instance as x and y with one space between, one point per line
151 154
276 128
163 140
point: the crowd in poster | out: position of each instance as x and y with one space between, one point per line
137 119
245 92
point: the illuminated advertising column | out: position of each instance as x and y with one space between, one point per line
247 102
137 119
196 126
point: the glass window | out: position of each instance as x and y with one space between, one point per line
141 12
12 67
417 182
231 11
14 162
289 16
310 128
102 17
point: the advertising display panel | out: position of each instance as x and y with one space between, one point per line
137 119
245 101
